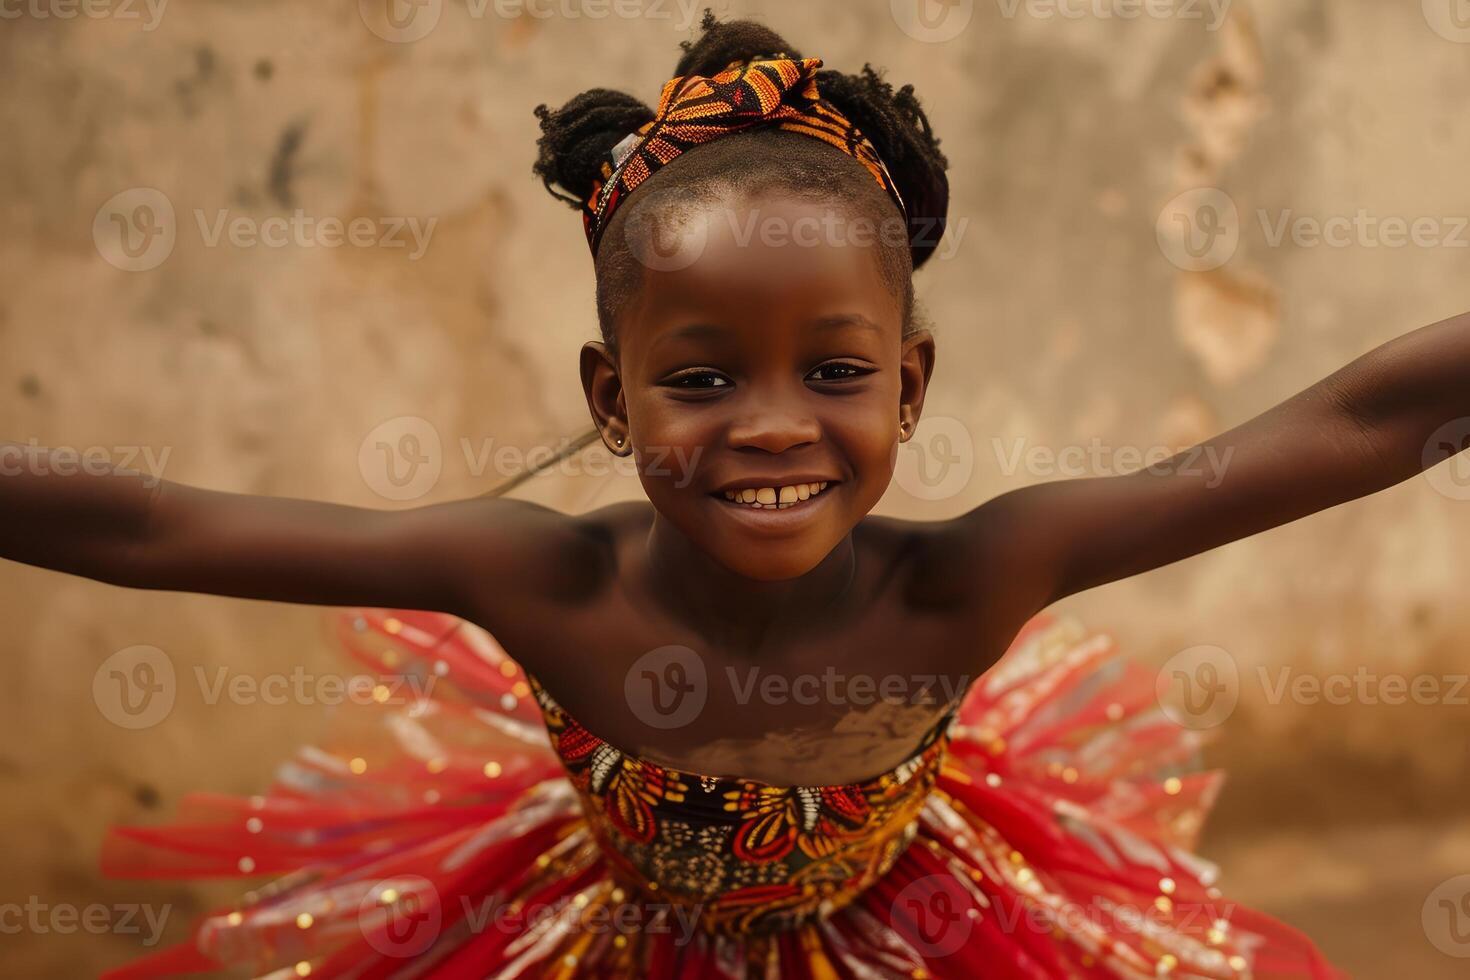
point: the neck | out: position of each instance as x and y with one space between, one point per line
727 606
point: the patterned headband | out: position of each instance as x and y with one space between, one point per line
695 109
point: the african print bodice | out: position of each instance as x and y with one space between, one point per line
748 857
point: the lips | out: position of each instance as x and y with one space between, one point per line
774 496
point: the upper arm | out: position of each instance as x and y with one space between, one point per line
471 558
1055 539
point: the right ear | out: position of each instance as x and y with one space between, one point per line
604 389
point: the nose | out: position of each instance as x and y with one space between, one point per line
773 422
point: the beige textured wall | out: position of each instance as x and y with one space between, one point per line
1059 314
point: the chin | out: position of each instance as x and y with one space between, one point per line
773 562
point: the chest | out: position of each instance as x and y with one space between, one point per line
835 701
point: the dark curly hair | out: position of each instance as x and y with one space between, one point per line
576 138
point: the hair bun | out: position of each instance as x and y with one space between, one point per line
722 44
893 121
576 138
898 128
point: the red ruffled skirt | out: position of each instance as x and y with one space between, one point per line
437 835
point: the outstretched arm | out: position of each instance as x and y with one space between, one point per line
125 528
1362 429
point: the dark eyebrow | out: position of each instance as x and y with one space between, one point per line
712 331
845 320
696 331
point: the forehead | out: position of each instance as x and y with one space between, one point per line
774 257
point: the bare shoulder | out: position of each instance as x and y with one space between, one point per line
532 551
973 564
613 523
602 535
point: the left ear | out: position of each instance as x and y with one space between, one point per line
916 364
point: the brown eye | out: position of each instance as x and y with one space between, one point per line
837 371
698 380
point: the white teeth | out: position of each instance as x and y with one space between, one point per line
775 498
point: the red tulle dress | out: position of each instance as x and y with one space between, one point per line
462 825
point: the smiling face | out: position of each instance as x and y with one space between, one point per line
762 384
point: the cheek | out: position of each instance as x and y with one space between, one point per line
671 447
869 438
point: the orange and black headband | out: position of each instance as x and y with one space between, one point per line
695 109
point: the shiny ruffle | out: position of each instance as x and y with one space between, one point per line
436 835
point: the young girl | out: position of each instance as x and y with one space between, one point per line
766 756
